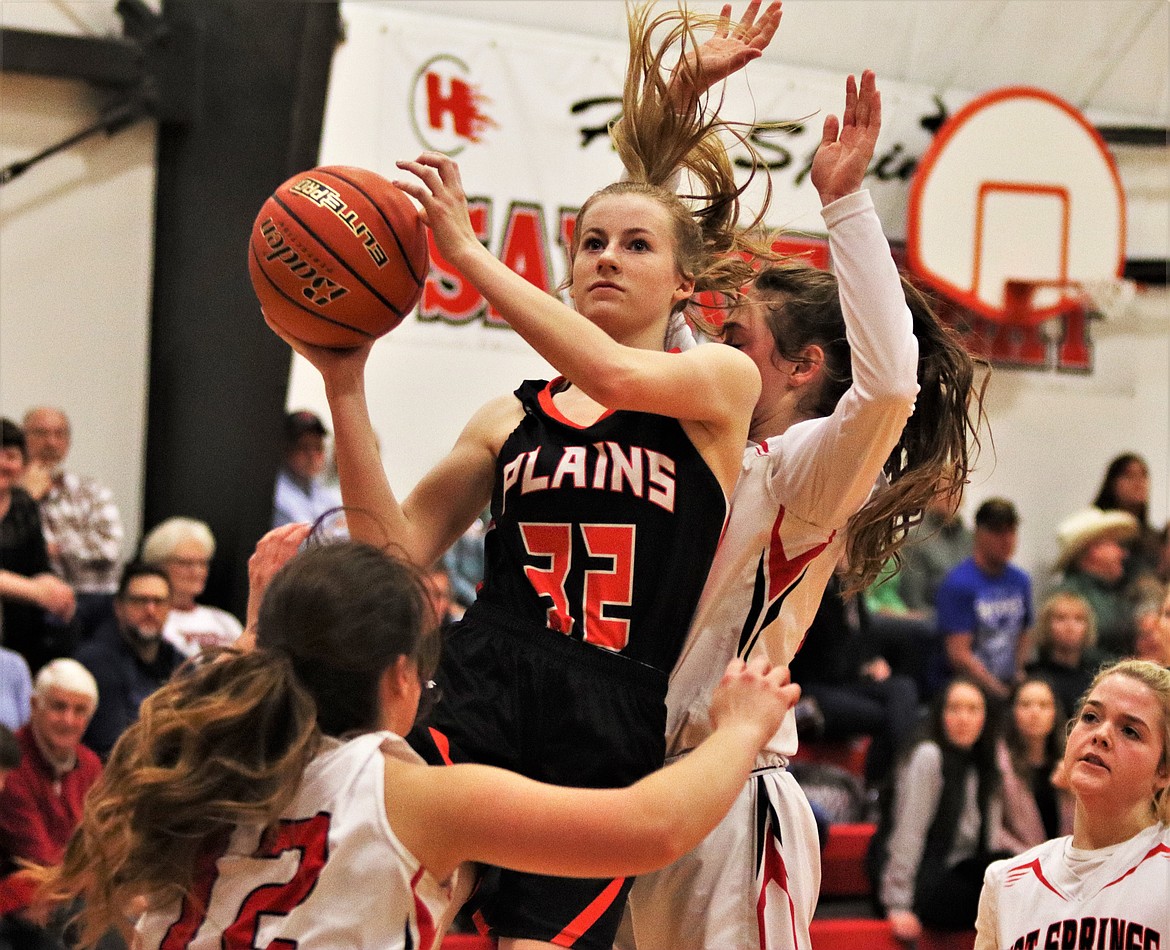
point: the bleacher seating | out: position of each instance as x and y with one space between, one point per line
843 861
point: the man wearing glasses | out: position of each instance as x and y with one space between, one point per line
127 654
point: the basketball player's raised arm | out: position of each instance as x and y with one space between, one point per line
472 812
462 481
729 50
699 385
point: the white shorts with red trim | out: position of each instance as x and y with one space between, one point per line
753 882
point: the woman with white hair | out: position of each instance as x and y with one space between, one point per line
183 548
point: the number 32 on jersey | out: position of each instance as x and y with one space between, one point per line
611 585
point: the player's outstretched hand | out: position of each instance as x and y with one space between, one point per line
847 145
729 50
438 187
273 551
754 694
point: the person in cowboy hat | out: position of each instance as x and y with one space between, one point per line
1092 561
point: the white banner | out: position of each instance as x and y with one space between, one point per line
525 114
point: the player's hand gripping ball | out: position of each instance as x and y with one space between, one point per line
338 256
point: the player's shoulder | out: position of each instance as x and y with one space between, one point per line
495 418
1034 864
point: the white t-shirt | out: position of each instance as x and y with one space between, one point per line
190 631
332 876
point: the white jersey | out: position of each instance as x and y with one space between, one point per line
331 874
1055 895
190 631
753 881
798 490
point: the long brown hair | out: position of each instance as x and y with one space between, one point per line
932 456
657 138
225 743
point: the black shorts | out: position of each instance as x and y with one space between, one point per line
557 710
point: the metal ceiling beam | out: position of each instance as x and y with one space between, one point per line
104 62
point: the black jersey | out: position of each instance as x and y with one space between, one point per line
604 533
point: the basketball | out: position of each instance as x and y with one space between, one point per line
338 256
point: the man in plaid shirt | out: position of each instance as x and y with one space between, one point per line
81 523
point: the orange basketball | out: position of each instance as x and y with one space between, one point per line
338 256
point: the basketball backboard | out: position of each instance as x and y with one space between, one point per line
1017 189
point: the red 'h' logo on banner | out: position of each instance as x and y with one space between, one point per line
448 108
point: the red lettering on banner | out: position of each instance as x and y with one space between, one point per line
525 250
460 102
447 294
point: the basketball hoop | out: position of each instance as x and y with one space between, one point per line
1097 298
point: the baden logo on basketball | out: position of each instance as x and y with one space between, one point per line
338 256
320 289
321 194
446 108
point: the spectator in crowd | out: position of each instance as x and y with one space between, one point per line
840 669
1126 487
1066 654
464 562
939 819
301 494
9 755
1092 562
933 547
28 588
1027 754
15 689
127 655
183 548
985 605
1163 570
908 638
1153 639
43 798
82 525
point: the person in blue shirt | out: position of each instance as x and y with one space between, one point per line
985 605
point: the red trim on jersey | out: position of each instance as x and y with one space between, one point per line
1014 874
481 924
442 743
551 410
576 928
422 915
782 571
1152 853
773 872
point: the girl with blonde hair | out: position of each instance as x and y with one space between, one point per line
1105 885
607 486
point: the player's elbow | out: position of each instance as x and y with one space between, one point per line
665 836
